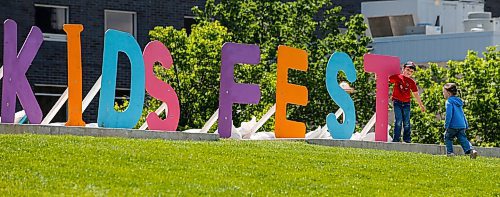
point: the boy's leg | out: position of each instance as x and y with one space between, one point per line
406 123
449 134
398 120
462 138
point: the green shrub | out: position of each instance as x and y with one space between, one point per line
196 71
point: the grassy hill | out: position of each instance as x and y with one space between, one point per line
38 164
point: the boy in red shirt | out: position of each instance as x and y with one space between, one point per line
404 86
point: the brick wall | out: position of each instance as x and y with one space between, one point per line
50 64
493 6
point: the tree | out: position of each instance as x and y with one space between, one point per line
311 25
195 73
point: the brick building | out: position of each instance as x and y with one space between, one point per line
48 73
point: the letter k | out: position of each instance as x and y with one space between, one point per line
15 82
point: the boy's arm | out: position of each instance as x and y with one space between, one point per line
392 78
449 114
419 101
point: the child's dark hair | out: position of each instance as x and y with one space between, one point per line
451 88
411 65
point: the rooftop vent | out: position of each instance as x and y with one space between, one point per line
479 15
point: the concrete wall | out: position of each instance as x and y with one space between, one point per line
104 132
451 13
390 8
435 48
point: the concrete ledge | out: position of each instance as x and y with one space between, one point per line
104 132
146 134
280 139
417 148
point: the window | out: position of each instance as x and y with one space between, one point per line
120 20
188 23
50 19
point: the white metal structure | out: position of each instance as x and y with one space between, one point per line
264 119
163 107
210 122
64 97
425 12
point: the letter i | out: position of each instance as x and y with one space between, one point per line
74 74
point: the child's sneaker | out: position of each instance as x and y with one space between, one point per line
473 154
450 154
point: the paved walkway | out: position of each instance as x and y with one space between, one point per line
412 147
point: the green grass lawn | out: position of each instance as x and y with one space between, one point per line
38 164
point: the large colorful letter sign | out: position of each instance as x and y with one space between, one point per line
231 92
74 74
15 67
340 61
154 52
383 67
289 57
114 42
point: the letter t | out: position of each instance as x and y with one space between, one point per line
383 67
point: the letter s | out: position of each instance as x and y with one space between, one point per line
154 52
340 61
